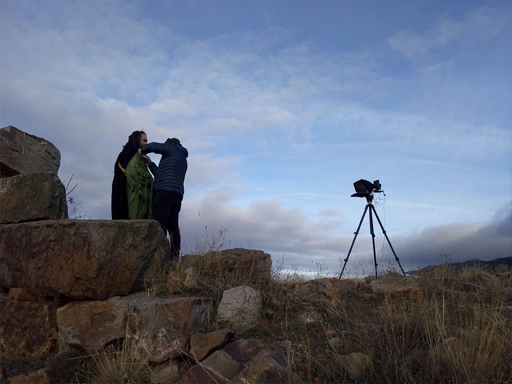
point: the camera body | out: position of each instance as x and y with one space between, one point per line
365 188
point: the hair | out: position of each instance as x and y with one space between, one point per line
134 138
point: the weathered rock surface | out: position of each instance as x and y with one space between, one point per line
222 366
268 366
240 307
160 328
397 285
244 350
255 265
310 317
30 197
94 323
24 153
179 281
38 377
203 344
27 328
81 259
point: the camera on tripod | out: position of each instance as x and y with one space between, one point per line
364 188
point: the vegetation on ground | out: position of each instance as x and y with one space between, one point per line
458 330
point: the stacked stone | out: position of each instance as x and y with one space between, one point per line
77 282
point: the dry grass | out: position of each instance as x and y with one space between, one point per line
457 331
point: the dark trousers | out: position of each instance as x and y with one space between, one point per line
166 210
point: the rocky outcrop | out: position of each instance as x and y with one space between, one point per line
22 153
31 197
81 259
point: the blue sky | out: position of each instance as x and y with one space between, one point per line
282 106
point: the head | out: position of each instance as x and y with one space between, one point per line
173 141
138 138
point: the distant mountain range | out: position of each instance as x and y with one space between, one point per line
491 265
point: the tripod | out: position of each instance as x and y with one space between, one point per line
370 208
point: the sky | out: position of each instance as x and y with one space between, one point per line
282 106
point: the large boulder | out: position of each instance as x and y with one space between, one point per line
160 328
93 323
253 265
82 259
27 328
31 197
21 152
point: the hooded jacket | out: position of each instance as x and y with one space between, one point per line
170 173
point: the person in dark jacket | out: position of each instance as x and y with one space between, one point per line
119 198
169 188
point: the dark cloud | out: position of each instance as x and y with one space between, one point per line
460 242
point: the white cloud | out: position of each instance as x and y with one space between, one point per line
274 123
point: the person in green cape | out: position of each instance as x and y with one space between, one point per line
132 187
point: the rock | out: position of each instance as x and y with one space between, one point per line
244 350
22 153
23 294
179 281
160 328
310 317
92 324
240 307
165 373
254 265
268 366
27 328
203 344
38 377
222 365
81 259
31 197
356 365
337 343
198 375
397 285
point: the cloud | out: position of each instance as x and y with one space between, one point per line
481 24
460 242
275 120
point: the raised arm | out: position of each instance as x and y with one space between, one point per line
159 148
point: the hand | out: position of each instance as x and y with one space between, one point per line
148 159
140 151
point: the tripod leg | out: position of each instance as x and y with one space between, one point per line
387 238
372 232
353 241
